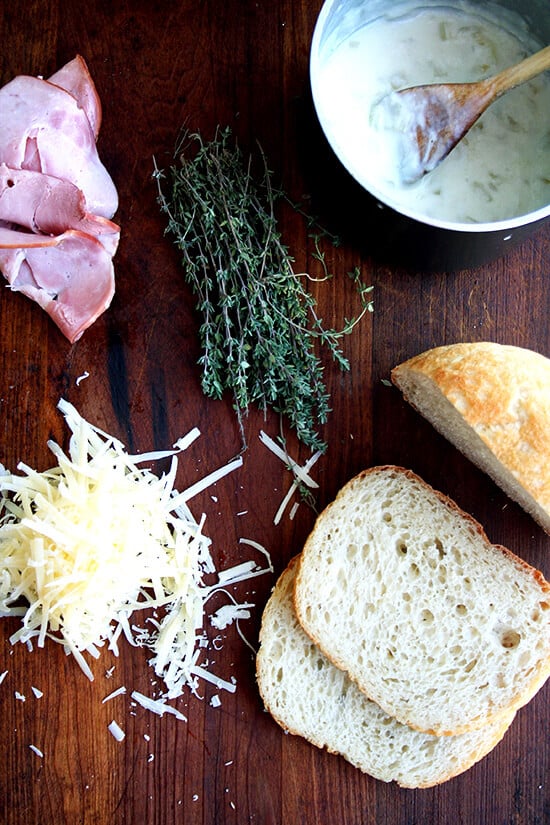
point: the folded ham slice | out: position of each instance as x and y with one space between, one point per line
75 78
70 276
44 129
56 198
49 205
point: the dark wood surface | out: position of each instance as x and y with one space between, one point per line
244 64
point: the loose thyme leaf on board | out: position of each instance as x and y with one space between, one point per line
259 323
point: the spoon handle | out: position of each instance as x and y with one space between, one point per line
520 73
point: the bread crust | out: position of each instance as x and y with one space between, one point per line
502 393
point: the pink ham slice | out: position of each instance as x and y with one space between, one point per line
56 198
45 130
75 78
70 275
49 205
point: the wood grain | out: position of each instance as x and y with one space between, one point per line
244 64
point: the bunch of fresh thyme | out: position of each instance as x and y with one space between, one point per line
259 323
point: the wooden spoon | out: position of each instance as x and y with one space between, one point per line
434 117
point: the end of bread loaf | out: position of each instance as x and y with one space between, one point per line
492 402
308 696
404 592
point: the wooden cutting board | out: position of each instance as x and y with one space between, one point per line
158 66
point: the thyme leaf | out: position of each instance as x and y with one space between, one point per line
259 323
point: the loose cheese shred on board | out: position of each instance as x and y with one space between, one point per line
120 691
90 541
157 706
301 474
116 731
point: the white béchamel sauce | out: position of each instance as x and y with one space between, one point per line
500 170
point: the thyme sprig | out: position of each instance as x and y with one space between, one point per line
259 322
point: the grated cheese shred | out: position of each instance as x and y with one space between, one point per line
116 731
301 474
95 538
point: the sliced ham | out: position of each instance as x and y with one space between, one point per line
70 276
49 205
44 130
57 241
75 78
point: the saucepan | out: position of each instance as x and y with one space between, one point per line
493 191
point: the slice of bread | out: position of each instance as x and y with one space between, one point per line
310 697
492 402
403 590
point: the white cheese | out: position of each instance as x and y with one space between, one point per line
229 613
206 482
293 510
118 692
158 706
115 729
301 474
299 471
221 684
96 538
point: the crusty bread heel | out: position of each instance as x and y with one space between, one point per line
492 401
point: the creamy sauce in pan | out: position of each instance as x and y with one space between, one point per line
500 170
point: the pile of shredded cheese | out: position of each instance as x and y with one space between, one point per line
90 541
